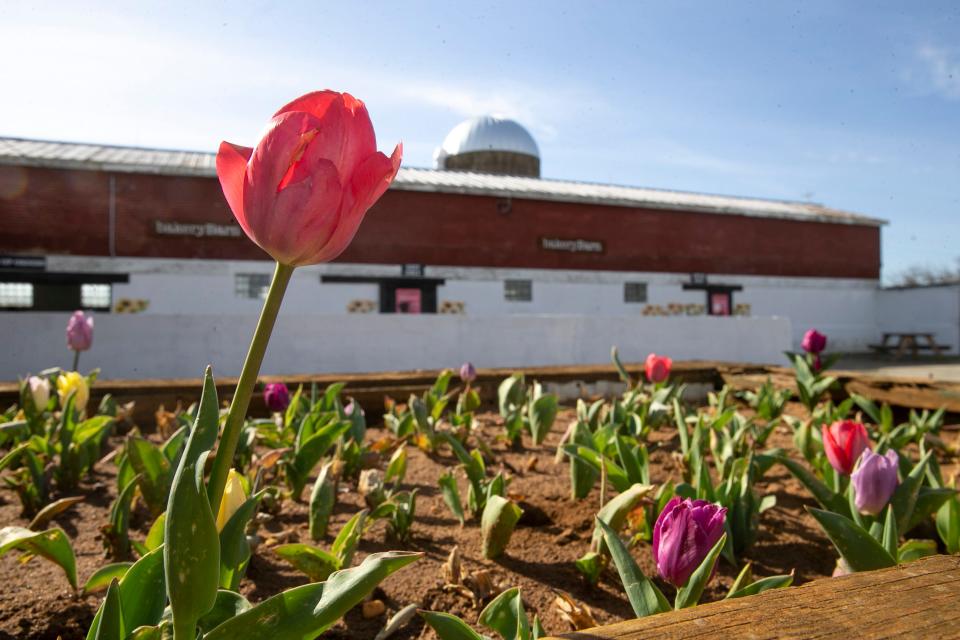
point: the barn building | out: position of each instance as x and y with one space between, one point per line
118 229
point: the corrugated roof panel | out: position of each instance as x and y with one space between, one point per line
69 155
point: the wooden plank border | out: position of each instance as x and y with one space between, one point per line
916 600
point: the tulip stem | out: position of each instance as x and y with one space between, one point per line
76 359
244 391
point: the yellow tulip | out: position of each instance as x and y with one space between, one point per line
233 498
72 381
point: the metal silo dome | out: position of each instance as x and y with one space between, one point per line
489 144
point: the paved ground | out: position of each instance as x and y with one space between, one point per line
945 368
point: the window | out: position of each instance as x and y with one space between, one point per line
16 295
95 296
251 285
518 290
634 292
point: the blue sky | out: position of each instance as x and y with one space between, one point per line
855 105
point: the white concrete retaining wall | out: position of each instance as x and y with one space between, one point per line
921 310
167 346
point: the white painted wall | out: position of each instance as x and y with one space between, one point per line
923 309
844 309
165 346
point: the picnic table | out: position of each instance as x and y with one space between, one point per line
898 342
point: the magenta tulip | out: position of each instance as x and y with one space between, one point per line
813 342
303 191
684 534
276 396
874 481
657 367
79 331
843 442
468 373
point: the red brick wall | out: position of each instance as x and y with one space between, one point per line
60 211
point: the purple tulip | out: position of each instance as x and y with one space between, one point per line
467 372
813 342
276 396
79 331
683 536
874 481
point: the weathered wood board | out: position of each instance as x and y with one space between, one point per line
916 600
897 391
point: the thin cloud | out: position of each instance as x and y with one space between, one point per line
941 70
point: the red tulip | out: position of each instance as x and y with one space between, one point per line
843 442
303 191
658 367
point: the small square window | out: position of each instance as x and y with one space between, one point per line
16 295
251 285
95 296
518 290
634 292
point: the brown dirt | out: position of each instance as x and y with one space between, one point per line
36 601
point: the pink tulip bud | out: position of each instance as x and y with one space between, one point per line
813 342
303 191
79 331
683 535
276 396
874 481
658 367
467 372
843 442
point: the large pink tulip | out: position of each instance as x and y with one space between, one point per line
303 191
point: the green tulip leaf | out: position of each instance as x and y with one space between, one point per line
191 548
828 499
451 495
499 518
155 535
154 470
111 615
302 613
763 584
323 498
103 576
860 550
449 627
904 499
234 548
505 615
142 594
915 549
316 563
644 596
615 513
229 604
51 544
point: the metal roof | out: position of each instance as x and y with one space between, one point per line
97 157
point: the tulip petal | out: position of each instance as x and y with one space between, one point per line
315 103
283 143
371 179
307 214
361 141
231 169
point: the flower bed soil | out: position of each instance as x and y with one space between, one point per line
36 601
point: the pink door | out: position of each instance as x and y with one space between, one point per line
407 301
720 304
